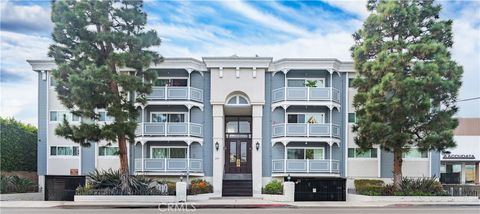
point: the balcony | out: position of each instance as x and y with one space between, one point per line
306 94
175 93
306 130
305 166
169 165
169 129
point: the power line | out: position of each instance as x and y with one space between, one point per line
468 99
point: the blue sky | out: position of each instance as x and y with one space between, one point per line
222 28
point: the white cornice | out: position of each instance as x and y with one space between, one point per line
237 62
41 65
310 64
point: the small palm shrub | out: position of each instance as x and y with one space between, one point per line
22 185
274 187
420 187
200 186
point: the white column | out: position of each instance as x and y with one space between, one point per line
330 157
462 174
257 113
331 123
143 121
188 121
188 85
143 156
218 155
285 158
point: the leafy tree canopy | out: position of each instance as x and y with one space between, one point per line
18 146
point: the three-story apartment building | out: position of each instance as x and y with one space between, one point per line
237 122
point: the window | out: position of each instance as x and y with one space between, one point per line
237 100
57 116
171 82
168 152
350 82
64 151
306 153
314 83
352 118
306 118
414 153
108 151
356 153
167 117
237 125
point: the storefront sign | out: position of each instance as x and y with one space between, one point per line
454 156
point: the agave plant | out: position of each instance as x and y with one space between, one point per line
4 183
22 184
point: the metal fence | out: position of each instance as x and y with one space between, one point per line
462 190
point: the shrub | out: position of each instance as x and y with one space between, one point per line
200 186
22 185
369 187
420 187
274 187
4 183
19 146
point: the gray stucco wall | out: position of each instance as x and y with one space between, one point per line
42 126
88 159
207 128
435 164
196 80
267 128
342 83
386 164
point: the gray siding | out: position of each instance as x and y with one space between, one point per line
88 159
207 128
278 151
42 126
278 80
196 115
196 80
267 128
386 165
196 151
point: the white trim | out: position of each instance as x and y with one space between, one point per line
63 156
166 147
304 152
347 130
185 114
47 121
237 103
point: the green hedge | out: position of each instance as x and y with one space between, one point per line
18 143
369 186
275 187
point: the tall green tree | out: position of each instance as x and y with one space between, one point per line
93 40
407 83
18 146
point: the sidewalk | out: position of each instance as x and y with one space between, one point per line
229 203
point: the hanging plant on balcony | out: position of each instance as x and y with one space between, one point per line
312 120
311 83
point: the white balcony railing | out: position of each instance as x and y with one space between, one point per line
305 166
169 129
168 165
305 94
305 130
176 93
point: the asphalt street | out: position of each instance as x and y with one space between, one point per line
388 210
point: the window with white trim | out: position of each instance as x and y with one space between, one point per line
57 116
306 118
306 153
64 150
414 154
168 152
108 151
162 117
310 82
357 153
237 100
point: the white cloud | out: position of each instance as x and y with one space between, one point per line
25 18
357 7
266 19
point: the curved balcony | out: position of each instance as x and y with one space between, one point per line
169 129
306 130
305 166
306 94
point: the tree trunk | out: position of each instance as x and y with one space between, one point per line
397 167
124 172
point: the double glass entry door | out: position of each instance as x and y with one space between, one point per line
238 156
